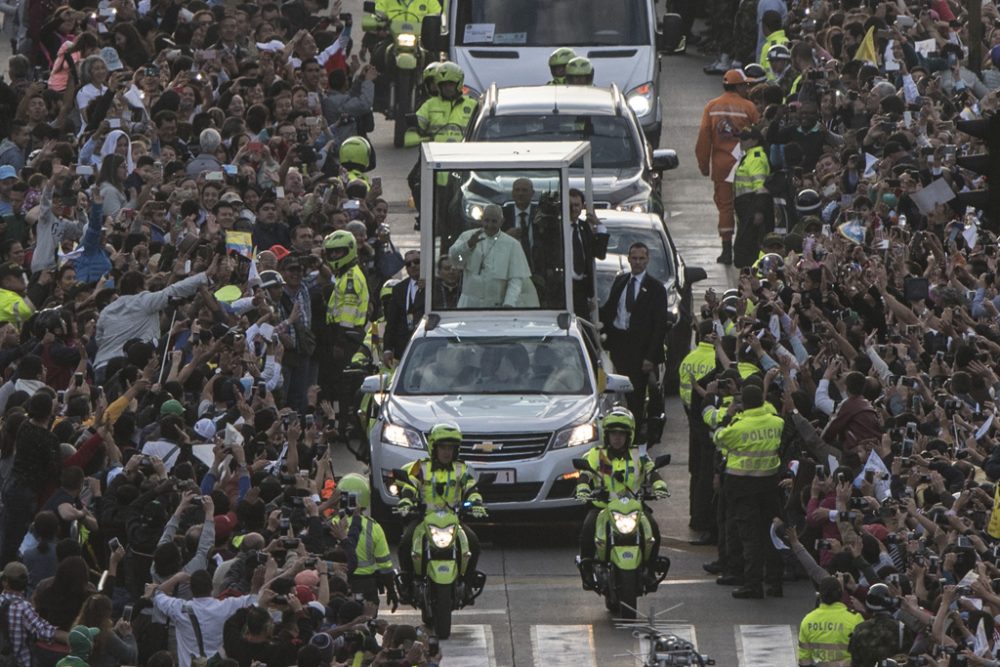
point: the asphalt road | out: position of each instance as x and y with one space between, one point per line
534 611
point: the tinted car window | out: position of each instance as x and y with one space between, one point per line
613 145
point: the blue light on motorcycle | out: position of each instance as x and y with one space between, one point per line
625 523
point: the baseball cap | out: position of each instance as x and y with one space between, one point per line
280 252
6 172
81 640
15 570
224 525
205 428
734 77
271 279
172 407
231 198
111 58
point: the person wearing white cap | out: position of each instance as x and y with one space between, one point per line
205 429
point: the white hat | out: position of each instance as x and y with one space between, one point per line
111 58
205 428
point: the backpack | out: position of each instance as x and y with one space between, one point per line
7 658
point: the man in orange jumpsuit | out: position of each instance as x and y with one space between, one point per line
721 123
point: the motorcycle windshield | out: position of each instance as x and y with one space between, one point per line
552 23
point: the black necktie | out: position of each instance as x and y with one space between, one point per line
524 225
579 256
630 294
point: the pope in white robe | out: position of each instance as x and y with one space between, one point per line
495 270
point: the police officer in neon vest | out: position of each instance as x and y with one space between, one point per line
557 64
616 468
751 199
825 632
346 317
438 481
373 569
751 444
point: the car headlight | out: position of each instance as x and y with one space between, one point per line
402 436
575 435
407 40
625 523
641 99
632 208
442 537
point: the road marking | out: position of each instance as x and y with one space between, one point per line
413 613
563 646
765 645
469 646
685 631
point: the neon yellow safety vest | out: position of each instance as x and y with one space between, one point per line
617 474
795 86
13 308
372 551
712 415
355 175
348 304
700 362
751 173
442 120
371 346
751 442
824 634
776 37
414 10
436 487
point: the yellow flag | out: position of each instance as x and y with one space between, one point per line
866 50
994 528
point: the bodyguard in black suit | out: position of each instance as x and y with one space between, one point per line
519 216
406 309
635 321
586 247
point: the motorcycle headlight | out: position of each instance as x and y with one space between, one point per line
575 435
442 537
641 99
402 436
625 523
407 40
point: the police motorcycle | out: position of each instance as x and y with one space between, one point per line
440 553
404 61
624 566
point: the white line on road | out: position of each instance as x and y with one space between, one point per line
563 646
765 645
471 611
469 646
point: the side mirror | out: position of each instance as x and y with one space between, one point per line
693 274
368 7
375 384
665 159
617 384
581 464
661 460
430 34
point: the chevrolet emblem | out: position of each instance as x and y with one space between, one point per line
487 447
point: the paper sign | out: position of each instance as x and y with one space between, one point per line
870 162
938 192
881 483
832 463
512 38
479 33
776 541
233 436
971 235
925 46
204 453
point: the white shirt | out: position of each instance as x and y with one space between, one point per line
411 295
211 614
623 316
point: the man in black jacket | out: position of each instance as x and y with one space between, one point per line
586 248
406 308
635 320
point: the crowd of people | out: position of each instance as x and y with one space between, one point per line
196 274
841 397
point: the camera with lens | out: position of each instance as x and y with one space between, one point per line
858 504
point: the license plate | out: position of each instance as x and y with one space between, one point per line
505 476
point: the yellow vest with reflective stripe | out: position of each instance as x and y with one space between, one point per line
13 308
442 120
348 304
700 361
751 173
751 442
776 37
372 551
824 634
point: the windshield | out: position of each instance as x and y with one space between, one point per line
552 23
494 366
660 266
612 145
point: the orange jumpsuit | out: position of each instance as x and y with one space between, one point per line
721 123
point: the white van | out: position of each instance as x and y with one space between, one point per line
508 42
